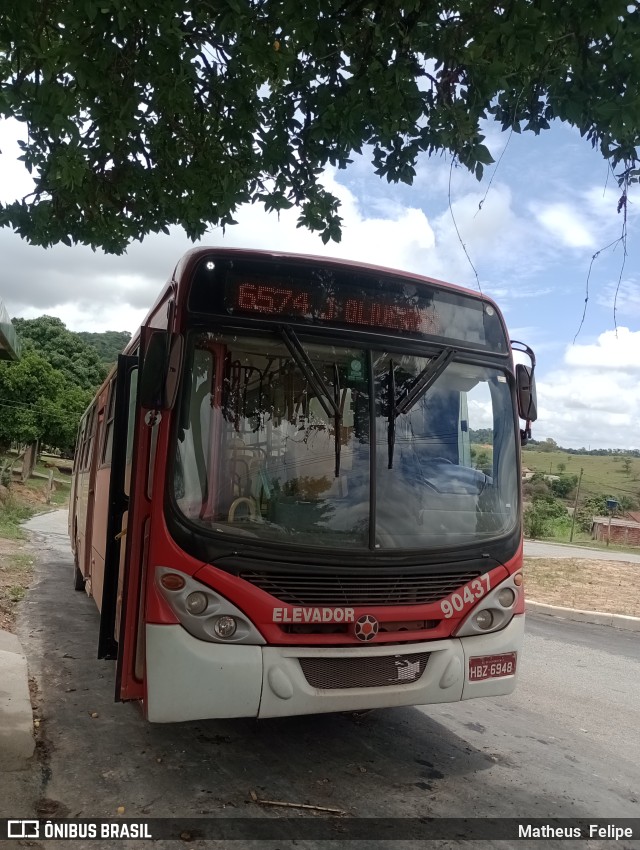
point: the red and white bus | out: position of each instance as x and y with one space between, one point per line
276 502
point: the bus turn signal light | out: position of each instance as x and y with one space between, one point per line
172 581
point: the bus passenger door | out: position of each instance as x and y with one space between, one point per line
119 499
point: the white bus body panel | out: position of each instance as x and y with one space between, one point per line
190 679
509 639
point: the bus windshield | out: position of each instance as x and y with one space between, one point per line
343 447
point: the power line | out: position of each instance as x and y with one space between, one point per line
14 403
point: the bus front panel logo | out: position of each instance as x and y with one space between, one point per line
366 627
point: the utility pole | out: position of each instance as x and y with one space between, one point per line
575 507
612 505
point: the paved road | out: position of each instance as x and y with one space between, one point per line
565 744
539 549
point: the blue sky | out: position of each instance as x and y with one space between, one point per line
550 207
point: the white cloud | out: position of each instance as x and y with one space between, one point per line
625 297
497 240
81 286
595 399
115 317
615 350
602 202
15 180
91 290
566 225
401 239
495 138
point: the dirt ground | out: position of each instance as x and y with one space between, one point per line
16 565
608 586
17 555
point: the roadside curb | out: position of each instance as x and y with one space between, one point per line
617 621
17 741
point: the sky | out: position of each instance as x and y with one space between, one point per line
526 236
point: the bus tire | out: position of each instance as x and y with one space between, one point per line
78 578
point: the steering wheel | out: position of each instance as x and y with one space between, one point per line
243 500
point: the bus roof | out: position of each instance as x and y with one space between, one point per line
192 257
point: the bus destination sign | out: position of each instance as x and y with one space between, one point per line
309 292
392 310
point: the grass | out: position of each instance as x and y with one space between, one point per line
19 503
559 531
12 514
16 570
602 473
584 540
21 562
16 593
60 495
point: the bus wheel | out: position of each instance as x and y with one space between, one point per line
78 578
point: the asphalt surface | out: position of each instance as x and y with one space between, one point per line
565 744
540 549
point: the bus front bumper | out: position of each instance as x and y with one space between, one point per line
190 679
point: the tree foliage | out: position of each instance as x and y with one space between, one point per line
44 394
142 115
483 436
545 517
596 505
38 403
545 446
65 350
107 344
564 486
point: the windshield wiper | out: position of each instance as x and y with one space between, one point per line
338 416
414 393
329 403
391 429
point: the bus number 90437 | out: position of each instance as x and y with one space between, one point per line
473 591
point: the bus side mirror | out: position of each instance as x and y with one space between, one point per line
160 371
526 393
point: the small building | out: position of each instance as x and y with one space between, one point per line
9 342
625 532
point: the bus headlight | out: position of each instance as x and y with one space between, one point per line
225 627
484 620
506 597
203 612
196 603
493 611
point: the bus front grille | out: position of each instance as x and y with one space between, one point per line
358 591
381 671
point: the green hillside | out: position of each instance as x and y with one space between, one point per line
615 475
45 392
107 344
